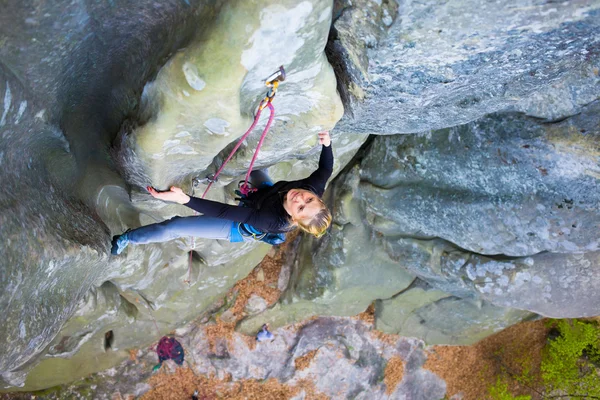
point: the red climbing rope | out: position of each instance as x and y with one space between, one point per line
237 146
244 188
273 83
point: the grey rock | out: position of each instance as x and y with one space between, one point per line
505 184
554 285
56 102
421 384
445 64
91 113
260 275
550 284
228 317
255 305
348 362
76 86
286 269
438 318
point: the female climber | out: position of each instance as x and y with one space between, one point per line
272 209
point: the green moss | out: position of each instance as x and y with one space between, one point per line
568 362
499 391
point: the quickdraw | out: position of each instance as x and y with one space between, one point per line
272 82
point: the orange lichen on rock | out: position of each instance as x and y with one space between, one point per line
394 371
367 316
220 330
310 390
183 382
471 370
263 279
387 338
304 361
133 355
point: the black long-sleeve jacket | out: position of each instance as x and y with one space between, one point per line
265 207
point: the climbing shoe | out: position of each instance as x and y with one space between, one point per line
119 243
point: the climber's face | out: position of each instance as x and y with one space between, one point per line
301 205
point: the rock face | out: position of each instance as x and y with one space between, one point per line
505 184
417 312
529 197
489 213
173 98
61 98
342 358
414 281
526 192
490 216
441 65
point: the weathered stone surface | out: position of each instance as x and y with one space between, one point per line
167 87
505 184
551 284
348 362
206 96
256 304
445 64
62 102
554 285
78 79
355 266
45 229
439 318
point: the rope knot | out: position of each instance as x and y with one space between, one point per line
245 189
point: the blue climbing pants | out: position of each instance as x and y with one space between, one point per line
177 227
197 226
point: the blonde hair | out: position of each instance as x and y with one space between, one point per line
317 225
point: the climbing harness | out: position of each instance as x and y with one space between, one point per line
253 233
243 230
272 82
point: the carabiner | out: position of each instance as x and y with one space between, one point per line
197 181
272 82
278 76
